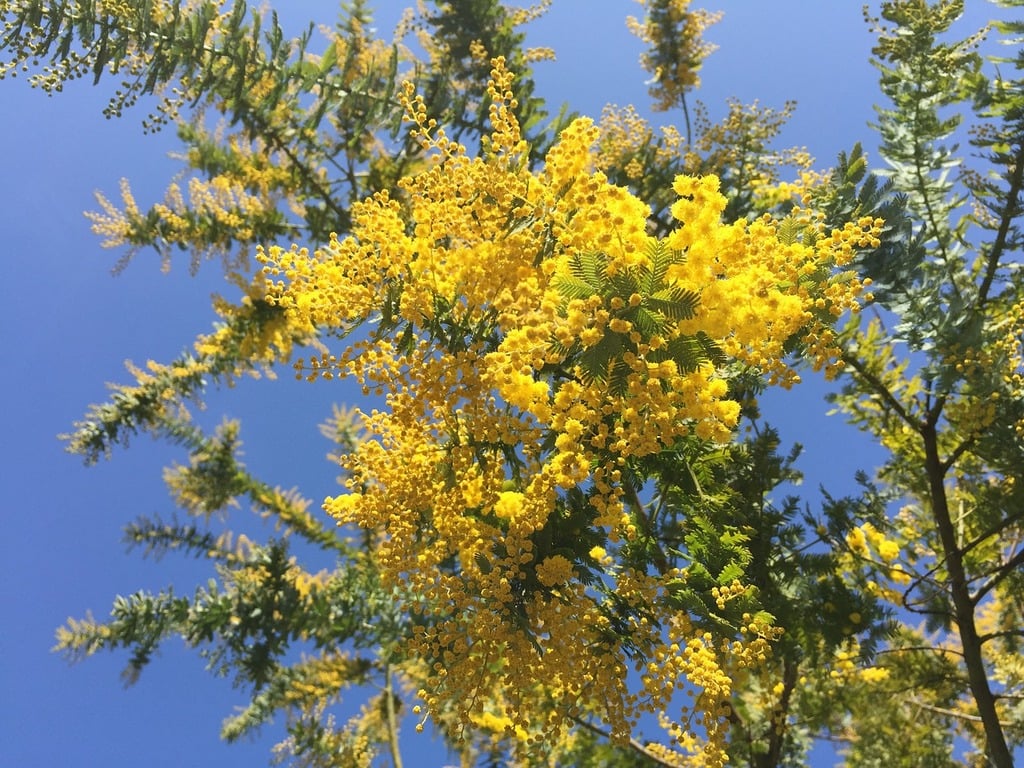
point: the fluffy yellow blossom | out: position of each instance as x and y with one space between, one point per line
529 339
874 674
678 49
508 505
554 570
888 550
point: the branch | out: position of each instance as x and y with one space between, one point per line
633 743
660 560
959 451
880 388
396 755
1010 212
267 132
927 648
993 531
998 575
921 579
995 636
953 713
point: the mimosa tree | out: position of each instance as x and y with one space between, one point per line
561 533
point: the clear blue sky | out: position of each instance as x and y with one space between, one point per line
71 325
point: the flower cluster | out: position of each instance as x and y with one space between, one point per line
674 32
530 340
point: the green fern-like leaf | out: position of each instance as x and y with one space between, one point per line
674 303
661 306
575 288
590 268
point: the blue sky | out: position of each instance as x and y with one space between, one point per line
71 325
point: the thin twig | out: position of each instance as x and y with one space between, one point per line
952 713
389 705
633 743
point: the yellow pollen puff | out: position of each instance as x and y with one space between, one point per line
508 505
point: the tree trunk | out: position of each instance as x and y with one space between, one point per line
996 749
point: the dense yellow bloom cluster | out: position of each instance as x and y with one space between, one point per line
739 149
477 336
114 224
691 658
321 678
218 211
671 25
756 291
888 557
991 372
625 134
866 537
252 330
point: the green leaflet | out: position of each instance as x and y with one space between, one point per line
661 306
